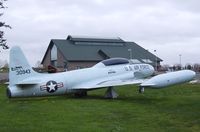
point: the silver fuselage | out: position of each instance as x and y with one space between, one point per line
67 81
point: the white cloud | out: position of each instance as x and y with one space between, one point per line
170 26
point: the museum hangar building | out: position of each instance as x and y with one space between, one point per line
81 52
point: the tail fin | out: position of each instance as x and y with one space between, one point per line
19 68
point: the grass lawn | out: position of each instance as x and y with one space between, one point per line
176 109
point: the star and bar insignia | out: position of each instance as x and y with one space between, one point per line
51 86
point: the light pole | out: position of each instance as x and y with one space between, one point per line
155 60
130 53
180 60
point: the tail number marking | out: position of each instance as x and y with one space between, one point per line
22 72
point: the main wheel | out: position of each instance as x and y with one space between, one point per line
81 94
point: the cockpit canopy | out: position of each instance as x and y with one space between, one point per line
112 62
115 61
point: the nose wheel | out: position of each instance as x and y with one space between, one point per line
141 89
8 93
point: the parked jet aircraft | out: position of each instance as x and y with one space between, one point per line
25 82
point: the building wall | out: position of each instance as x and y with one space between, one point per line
47 59
63 64
60 61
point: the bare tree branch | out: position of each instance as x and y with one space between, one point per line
3 41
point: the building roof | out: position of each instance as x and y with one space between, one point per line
97 49
95 39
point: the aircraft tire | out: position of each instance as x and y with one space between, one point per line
141 89
81 94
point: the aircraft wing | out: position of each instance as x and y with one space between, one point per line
107 83
158 81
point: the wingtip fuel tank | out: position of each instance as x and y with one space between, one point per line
168 79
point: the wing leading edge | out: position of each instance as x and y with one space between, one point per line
107 83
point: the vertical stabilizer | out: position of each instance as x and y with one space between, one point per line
19 68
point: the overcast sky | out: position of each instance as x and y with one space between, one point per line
171 27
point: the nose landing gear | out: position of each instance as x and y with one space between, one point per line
8 93
141 89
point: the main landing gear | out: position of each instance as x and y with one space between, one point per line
81 94
110 93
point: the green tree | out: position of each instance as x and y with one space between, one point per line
3 42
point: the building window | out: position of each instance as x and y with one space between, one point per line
54 54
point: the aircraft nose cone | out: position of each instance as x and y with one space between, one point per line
152 69
193 74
